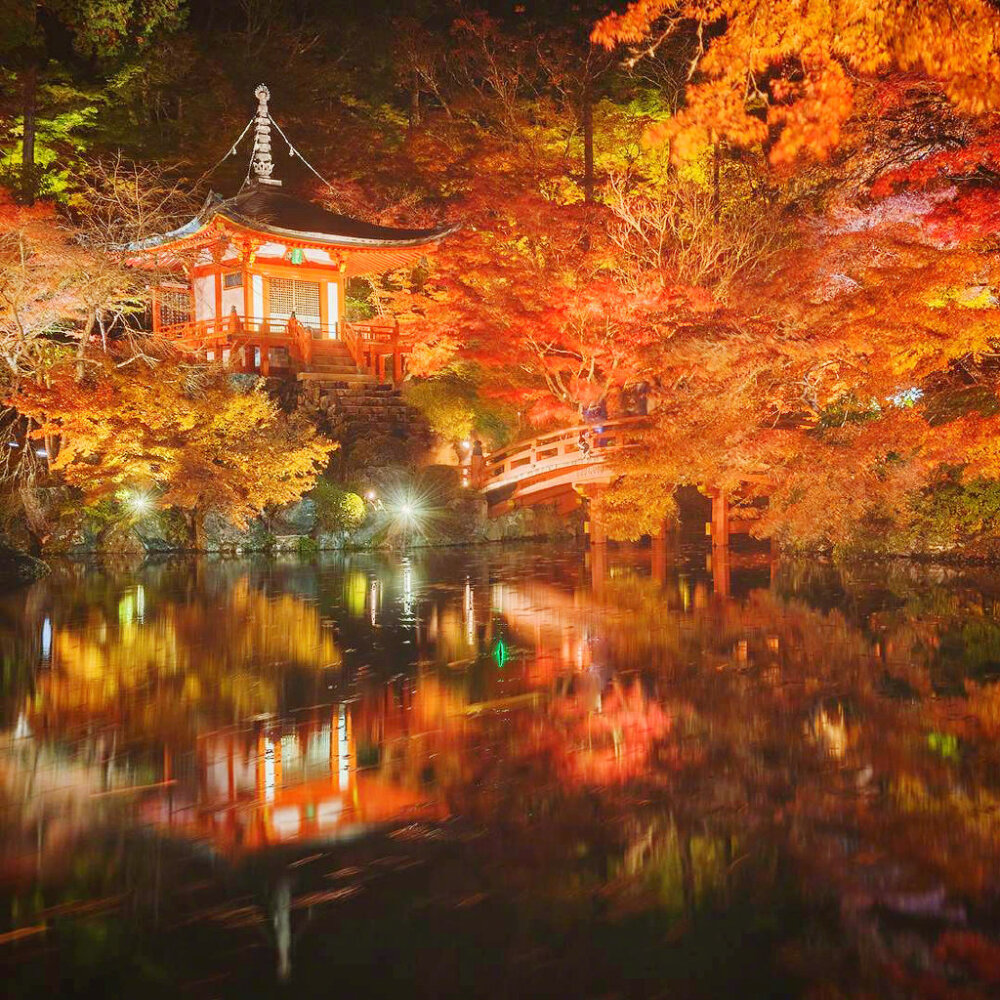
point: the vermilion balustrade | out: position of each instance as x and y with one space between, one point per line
376 348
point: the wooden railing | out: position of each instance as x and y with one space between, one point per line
584 444
247 344
378 348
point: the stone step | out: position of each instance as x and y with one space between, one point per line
355 377
330 347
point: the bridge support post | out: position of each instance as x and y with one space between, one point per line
720 519
661 545
598 568
721 571
596 529
598 533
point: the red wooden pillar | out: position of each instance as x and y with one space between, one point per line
720 519
598 568
247 289
660 546
397 357
598 533
218 299
721 571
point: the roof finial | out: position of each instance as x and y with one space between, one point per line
262 163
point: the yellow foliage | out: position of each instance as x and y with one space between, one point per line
190 434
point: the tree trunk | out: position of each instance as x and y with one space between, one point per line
29 97
81 347
196 529
587 123
717 183
415 102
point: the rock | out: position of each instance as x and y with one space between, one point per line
166 531
331 540
17 567
285 544
295 519
221 535
534 522
120 539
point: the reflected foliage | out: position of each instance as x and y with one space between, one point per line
490 768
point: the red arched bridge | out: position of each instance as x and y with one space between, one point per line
563 467
555 468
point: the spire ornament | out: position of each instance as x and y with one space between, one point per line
262 163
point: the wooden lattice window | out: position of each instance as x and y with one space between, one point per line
175 306
300 297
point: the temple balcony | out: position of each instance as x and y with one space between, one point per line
280 345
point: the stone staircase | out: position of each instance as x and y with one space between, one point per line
335 385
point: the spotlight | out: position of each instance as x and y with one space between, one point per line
139 503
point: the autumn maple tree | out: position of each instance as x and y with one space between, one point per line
198 442
782 72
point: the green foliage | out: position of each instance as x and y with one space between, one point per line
848 409
66 117
456 411
308 546
944 745
337 509
632 507
954 510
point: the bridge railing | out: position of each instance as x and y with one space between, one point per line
582 444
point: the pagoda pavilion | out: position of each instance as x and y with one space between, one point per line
257 280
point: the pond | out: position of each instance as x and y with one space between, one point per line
501 772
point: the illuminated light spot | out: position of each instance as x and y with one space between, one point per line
47 639
500 653
328 813
139 503
287 821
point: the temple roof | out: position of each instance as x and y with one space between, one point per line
269 211
261 207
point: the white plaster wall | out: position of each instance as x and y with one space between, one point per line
257 288
232 297
204 297
332 293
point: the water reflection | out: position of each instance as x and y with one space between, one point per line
502 773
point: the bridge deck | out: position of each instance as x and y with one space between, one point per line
556 463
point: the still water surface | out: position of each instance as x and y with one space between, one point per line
501 773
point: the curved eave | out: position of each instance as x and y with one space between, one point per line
400 251
185 232
333 240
